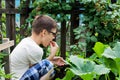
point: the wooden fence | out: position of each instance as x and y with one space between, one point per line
10 12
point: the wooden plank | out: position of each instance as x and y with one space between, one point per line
13 11
7 50
9 11
6 45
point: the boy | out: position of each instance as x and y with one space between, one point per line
26 59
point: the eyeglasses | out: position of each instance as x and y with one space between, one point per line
54 34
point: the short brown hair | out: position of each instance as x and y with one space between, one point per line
43 22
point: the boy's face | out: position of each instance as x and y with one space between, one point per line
48 37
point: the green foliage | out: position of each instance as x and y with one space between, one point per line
56 9
106 60
2 55
114 54
101 22
80 47
111 58
2 72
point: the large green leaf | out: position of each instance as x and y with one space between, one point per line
115 55
85 68
110 63
117 60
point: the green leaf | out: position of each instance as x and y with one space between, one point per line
93 38
117 60
68 76
99 48
110 63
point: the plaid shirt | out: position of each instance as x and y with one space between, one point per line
38 70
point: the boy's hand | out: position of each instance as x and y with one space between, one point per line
58 61
53 49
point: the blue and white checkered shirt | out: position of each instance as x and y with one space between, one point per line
38 70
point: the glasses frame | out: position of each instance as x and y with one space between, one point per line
53 33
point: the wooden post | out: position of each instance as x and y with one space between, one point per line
23 17
63 39
74 23
10 21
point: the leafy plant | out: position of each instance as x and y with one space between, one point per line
114 54
85 68
110 56
2 72
79 47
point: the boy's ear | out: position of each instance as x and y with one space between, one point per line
43 32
